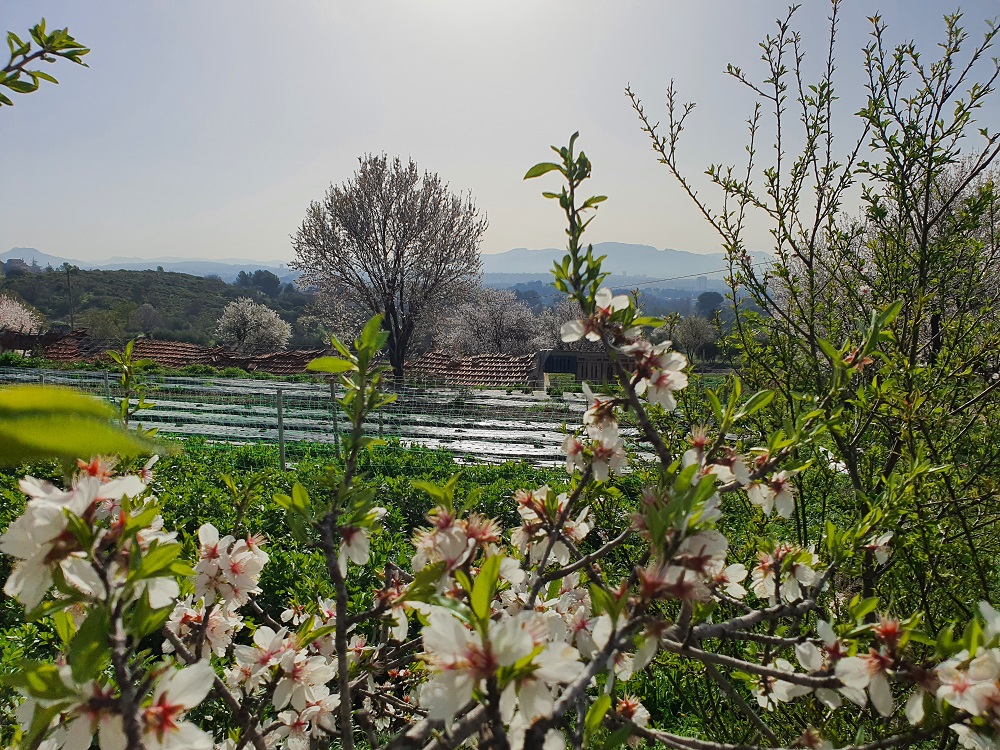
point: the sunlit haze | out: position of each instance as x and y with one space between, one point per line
203 129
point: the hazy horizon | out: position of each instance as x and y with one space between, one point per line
203 130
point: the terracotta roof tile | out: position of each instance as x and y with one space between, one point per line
77 346
498 370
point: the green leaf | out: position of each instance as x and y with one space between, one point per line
157 560
42 422
340 347
484 588
38 679
300 500
89 651
715 403
41 720
315 635
829 349
602 602
65 628
541 168
755 403
617 738
595 715
370 333
424 585
21 87
859 608
330 364
889 314
144 620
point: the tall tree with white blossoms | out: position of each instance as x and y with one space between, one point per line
252 328
15 316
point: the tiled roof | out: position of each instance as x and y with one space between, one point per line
497 370
174 354
75 346
291 362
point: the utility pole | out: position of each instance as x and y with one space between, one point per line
69 293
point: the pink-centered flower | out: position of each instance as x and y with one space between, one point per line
458 659
777 494
869 671
178 691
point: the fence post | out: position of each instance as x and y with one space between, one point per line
336 419
107 386
380 423
41 378
281 429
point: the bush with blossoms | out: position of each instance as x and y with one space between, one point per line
492 637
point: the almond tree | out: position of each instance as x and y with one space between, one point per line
522 638
394 243
252 328
493 321
14 316
925 237
704 571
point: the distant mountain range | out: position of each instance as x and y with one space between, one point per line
630 264
226 269
622 259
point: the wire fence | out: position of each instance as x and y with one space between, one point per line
473 424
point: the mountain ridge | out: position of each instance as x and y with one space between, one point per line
627 262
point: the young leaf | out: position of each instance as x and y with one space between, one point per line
484 587
330 364
42 422
89 651
542 168
595 716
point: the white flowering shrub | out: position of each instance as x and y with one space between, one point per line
14 316
525 637
252 328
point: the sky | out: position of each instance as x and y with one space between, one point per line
204 128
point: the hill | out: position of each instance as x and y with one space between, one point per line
629 263
636 262
161 304
226 269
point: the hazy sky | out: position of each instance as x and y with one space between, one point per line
203 128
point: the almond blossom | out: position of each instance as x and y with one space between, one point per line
608 451
770 690
458 659
302 679
776 494
794 575
228 569
605 305
868 672
659 372
41 541
94 717
177 692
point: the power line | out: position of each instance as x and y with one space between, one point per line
693 275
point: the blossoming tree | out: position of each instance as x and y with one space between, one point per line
520 638
14 316
534 636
